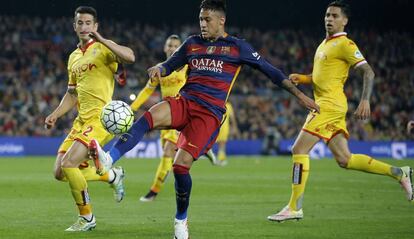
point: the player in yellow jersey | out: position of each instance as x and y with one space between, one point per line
91 69
333 58
229 121
170 86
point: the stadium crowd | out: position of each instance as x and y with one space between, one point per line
33 75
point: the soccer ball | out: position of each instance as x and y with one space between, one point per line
117 117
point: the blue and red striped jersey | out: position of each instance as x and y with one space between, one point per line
213 67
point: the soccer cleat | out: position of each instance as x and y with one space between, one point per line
211 156
102 160
181 229
82 225
286 214
406 182
151 195
118 183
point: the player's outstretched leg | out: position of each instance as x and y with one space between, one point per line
82 225
102 160
407 182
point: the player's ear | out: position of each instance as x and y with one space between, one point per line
74 26
96 26
222 20
345 21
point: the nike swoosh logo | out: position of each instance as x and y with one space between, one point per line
192 145
196 49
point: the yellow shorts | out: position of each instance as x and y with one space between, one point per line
224 131
169 135
326 125
84 132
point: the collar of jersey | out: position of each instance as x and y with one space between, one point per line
338 34
90 42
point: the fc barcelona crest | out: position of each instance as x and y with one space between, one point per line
211 49
225 50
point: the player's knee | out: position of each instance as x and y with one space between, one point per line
169 152
342 160
298 150
180 169
58 175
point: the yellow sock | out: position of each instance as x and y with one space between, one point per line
162 172
90 174
79 189
365 163
300 174
221 155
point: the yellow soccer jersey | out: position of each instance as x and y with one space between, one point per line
170 86
332 61
91 73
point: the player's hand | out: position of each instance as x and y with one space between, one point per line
294 78
363 111
95 35
50 121
154 72
300 79
309 103
410 127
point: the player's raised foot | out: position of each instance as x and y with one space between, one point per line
82 225
118 183
286 214
149 197
407 182
181 229
211 156
102 160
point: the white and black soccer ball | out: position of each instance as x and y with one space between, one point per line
117 117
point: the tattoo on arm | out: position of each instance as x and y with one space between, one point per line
290 87
368 75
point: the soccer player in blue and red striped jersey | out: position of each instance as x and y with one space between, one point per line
214 60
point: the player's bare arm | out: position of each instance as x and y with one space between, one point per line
303 99
123 53
363 111
67 103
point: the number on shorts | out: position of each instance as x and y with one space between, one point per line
87 131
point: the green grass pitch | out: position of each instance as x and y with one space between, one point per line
226 202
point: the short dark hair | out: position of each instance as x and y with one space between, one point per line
88 10
343 6
215 5
174 37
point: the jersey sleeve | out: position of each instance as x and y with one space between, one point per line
177 59
352 55
71 76
251 57
109 55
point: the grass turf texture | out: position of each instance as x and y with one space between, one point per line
226 202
